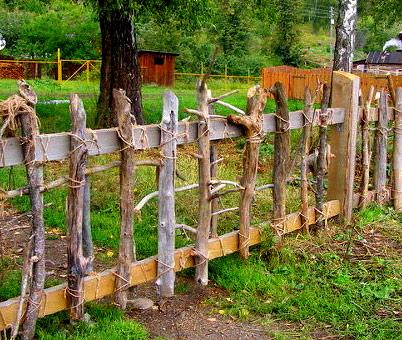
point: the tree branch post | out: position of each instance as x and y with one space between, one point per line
281 157
308 118
75 202
167 218
380 172
252 123
323 157
397 159
29 130
122 108
204 179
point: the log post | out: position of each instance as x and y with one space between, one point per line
281 157
167 219
252 123
342 138
323 157
29 130
381 136
366 153
308 118
397 159
87 244
214 202
204 180
75 202
122 108
213 158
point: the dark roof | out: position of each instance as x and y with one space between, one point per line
158 52
384 58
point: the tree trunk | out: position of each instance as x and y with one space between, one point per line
120 68
345 35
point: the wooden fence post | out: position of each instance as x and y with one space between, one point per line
30 129
122 108
323 157
256 100
87 244
308 119
214 202
397 159
281 157
381 137
167 219
342 138
204 180
78 159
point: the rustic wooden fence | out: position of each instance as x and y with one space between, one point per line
35 150
295 80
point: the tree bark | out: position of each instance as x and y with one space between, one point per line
126 248
345 36
120 68
167 218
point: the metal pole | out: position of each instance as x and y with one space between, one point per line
87 71
59 67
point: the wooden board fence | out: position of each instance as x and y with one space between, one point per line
295 80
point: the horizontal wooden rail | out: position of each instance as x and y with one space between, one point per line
102 284
56 146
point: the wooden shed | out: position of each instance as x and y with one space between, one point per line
157 67
381 62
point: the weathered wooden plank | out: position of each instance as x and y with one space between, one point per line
341 171
56 146
102 284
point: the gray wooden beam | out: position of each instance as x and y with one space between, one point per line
56 146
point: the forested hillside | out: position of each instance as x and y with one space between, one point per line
246 35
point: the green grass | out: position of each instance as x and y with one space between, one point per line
107 322
320 289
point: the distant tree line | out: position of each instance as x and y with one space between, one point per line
247 34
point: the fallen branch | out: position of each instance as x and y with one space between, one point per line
231 107
224 211
63 180
213 100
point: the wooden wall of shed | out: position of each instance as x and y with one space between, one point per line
153 73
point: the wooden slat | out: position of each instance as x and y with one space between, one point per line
341 170
56 146
103 284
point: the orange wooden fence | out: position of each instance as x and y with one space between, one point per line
295 80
